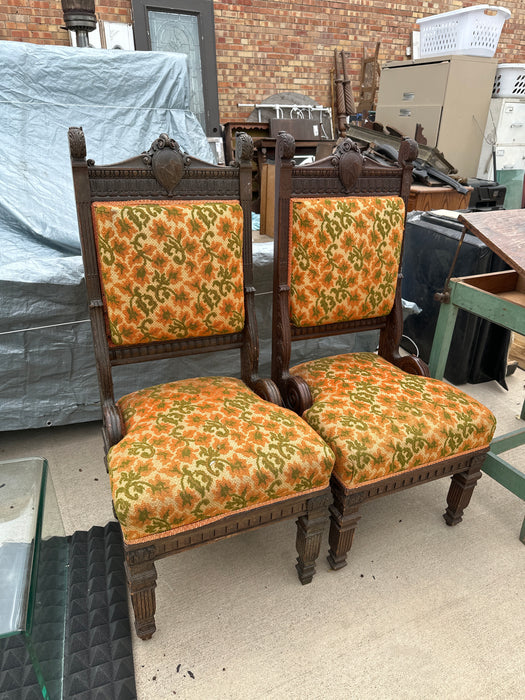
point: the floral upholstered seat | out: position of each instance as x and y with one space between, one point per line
338 257
166 245
380 420
201 448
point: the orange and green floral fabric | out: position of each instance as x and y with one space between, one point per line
379 420
200 448
344 258
170 269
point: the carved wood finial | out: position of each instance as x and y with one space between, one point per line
408 150
77 142
348 159
167 161
243 147
286 145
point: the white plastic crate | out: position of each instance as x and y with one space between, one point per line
509 80
472 31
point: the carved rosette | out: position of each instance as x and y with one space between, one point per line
349 162
167 162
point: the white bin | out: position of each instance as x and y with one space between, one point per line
509 80
472 31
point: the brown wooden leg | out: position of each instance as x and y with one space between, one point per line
142 581
460 492
343 521
310 529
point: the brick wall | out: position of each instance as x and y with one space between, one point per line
273 46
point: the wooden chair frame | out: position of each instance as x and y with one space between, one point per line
348 173
165 172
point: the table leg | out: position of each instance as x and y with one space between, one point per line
442 339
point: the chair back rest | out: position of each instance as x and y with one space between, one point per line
166 245
338 246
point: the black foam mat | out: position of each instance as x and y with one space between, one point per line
98 660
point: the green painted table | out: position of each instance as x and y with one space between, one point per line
498 297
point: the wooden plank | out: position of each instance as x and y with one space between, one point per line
502 231
493 282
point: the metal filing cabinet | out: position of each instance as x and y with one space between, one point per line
505 133
448 95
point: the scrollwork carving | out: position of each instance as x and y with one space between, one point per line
349 161
268 391
77 142
286 145
243 147
167 162
298 397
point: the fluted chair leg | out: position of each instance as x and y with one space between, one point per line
142 581
310 528
460 492
343 522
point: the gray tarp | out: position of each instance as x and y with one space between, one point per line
123 101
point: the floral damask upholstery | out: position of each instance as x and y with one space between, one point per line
170 269
199 448
345 257
380 420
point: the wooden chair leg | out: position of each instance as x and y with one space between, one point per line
310 528
343 521
142 581
460 492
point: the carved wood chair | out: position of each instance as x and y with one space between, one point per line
338 247
166 244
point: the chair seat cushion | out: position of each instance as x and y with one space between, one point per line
380 420
199 448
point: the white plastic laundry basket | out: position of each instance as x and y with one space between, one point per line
472 31
509 80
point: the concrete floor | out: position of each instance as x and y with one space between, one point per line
421 611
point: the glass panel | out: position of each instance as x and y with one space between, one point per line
22 488
171 31
33 562
48 602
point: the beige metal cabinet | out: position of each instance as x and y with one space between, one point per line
448 95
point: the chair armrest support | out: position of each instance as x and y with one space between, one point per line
412 365
113 424
267 390
297 395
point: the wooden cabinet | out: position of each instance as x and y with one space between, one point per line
423 198
448 95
